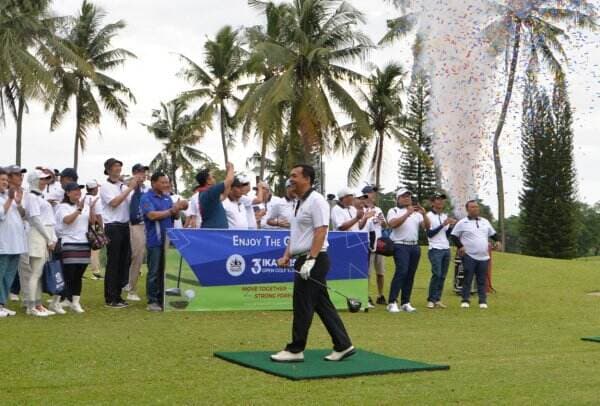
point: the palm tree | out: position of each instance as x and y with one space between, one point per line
91 41
529 25
179 133
224 58
26 31
319 36
267 122
384 111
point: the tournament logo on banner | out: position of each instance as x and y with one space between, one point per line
237 269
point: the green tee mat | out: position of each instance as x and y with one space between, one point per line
315 367
595 339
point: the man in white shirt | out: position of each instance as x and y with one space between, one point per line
238 206
346 217
405 220
280 215
115 196
439 249
308 244
93 195
376 222
472 236
193 219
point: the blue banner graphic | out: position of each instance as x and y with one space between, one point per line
246 257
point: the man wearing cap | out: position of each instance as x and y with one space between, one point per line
92 196
308 245
114 195
57 194
238 204
211 195
472 236
374 227
439 249
405 220
346 217
13 241
136 231
280 215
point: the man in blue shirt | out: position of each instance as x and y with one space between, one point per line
158 210
211 196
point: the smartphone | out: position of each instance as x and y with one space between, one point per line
415 202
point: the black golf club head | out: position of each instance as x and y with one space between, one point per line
173 292
354 305
179 304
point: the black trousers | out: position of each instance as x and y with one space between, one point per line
73 273
118 258
309 298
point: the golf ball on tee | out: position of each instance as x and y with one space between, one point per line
190 294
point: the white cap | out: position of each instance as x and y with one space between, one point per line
93 184
402 191
345 191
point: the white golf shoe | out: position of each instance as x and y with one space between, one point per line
465 305
406 307
286 356
393 308
430 305
338 356
483 305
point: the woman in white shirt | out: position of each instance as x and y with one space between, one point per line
74 217
42 239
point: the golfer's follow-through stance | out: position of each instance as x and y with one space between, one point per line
308 245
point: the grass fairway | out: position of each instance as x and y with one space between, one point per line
525 349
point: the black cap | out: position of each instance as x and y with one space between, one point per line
369 189
109 164
69 173
15 169
69 187
438 195
139 168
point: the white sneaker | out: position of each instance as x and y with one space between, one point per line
13 297
3 314
440 305
430 305
133 297
9 312
126 288
37 313
465 305
370 305
338 356
48 311
406 307
65 303
286 356
57 308
483 305
393 308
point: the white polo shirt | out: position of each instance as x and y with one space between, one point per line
340 215
440 240
119 214
13 239
194 209
408 232
76 231
474 235
237 214
309 214
284 209
269 206
47 217
373 223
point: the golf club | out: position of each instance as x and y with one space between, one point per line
176 291
354 305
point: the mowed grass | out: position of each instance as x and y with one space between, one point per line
525 349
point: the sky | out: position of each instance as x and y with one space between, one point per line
158 30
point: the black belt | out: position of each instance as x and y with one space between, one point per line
117 224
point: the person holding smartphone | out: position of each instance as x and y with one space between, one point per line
405 220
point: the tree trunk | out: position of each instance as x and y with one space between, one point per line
174 176
20 111
379 159
263 158
223 135
77 132
501 121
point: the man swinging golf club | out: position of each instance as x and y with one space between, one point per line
308 244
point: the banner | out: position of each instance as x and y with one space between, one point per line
237 270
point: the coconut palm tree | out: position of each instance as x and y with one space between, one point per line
217 83
384 111
265 120
178 132
319 37
91 41
529 26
